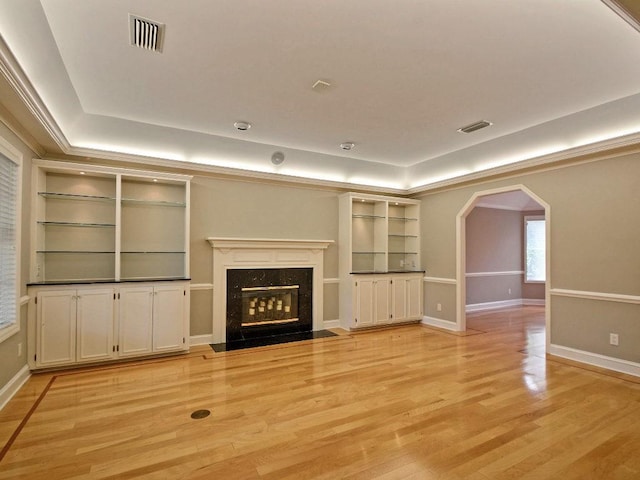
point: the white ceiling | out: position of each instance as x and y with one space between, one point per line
405 75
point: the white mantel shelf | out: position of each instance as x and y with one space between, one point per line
225 242
248 253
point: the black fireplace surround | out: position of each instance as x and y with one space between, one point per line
257 299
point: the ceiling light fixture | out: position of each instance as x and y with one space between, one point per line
242 126
474 126
347 145
277 158
320 86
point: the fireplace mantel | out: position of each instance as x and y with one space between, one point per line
238 243
247 253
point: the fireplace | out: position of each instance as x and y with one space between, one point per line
268 301
264 254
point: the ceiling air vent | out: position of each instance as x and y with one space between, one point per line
145 33
474 126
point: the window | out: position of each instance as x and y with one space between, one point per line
535 249
9 246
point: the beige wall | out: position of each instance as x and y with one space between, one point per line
594 247
495 243
231 208
11 362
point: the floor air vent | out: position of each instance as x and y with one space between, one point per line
146 33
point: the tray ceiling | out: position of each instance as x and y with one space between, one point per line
398 79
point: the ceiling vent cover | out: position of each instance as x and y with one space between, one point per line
145 33
474 126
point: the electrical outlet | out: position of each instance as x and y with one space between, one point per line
19 349
509 291
613 339
439 307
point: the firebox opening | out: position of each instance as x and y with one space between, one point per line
265 305
268 302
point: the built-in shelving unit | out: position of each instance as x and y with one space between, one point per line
380 246
108 224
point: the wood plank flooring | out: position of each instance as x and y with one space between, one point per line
401 403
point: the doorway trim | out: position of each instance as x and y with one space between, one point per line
461 250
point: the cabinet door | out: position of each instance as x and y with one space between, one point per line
382 295
56 328
399 293
364 303
414 298
135 321
94 312
168 318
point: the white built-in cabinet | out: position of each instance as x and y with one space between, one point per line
76 324
384 299
380 273
109 264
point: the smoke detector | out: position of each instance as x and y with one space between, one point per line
145 33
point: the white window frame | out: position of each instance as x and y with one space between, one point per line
15 156
529 218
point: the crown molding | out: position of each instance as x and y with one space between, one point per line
16 77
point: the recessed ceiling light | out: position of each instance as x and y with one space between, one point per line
474 126
242 126
82 173
277 158
347 145
320 86
155 179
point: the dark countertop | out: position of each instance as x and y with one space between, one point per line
97 282
386 272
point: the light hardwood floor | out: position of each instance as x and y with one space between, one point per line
404 402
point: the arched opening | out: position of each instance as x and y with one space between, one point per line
504 198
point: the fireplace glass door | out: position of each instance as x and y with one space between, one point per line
269 305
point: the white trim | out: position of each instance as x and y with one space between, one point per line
329 281
200 340
530 302
13 386
262 243
478 307
609 297
451 281
493 274
201 286
595 359
438 322
24 300
332 324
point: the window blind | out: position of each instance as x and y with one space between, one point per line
8 236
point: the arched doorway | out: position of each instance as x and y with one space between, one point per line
461 251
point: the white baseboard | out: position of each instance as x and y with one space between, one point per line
438 322
331 324
595 359
13 385
530 302
477 307
201 339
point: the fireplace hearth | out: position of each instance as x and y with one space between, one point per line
268 302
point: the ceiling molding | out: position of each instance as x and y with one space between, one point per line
632 140
16 77
626 12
